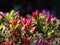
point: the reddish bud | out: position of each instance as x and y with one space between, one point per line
4 43
24 28
26 40
19 22
33 30
29 23
48 20
11 43
24 20
53 20
35 15
14 22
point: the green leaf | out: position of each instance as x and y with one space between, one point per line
7 40
11 26
11 16
49 34
17 26
3 27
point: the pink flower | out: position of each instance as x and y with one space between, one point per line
53 20
1 17
26 40
11 43
35 15
24 20
19 22
8 32
24 28
14 22
28 23
33 30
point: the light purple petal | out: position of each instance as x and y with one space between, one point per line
48 13
16 13
1 12
7 14
44 12
7 25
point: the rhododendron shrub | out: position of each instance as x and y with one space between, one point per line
41 28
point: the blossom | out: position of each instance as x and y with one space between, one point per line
44 12
7 14
16 13
48 20
26 40
14 22
10 43
53 20
6 24
24 28
29 23
33 30
35 15
8 32
19 22
24 20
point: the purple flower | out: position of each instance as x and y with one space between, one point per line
16 13
7 25
44 12
48 14
29 18
59 42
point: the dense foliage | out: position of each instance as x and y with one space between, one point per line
39 29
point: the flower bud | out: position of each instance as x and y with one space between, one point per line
48 20
53 20
35 15
24 28
11 43
14 22
33 30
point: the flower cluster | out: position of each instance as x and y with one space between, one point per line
39 29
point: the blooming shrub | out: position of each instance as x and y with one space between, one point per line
38 29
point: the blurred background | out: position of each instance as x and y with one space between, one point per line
28 6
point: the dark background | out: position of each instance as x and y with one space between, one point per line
28 6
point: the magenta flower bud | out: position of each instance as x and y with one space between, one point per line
53 20
11 42
33 30
24 28
24 20
8 32
28 23
19 22
35 15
